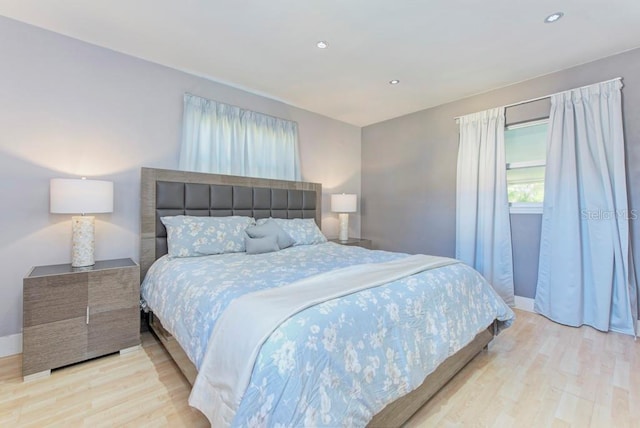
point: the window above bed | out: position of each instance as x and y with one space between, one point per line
224 139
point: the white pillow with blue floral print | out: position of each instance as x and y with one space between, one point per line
303 231
189 236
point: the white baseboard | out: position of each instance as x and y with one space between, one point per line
10 345
524 303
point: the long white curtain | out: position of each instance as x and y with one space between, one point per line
483 229
224 139
585 276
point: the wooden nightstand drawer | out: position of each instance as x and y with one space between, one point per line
111 289
54 298
71 315
113 330
55 344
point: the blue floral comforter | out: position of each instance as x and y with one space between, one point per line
337 363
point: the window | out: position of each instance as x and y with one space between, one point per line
525 150
224 139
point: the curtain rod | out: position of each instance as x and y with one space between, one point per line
545 96
241 108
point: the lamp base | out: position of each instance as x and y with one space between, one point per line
344 226
82 241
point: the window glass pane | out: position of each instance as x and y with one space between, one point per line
526 144
526 184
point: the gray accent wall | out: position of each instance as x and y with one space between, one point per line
69 108
525 235
409 166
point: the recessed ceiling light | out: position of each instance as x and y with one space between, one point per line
322 44
394 82
553 17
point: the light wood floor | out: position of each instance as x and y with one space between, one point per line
537 373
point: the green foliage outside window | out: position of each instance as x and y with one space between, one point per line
525 149
526 192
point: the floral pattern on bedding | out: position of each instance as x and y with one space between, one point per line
188 294
189 236
337 363
303 231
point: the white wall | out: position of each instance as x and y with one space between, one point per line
68 108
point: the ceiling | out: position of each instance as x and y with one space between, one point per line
440 50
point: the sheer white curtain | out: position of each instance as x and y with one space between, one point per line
224 139
585 274
274 153
483 229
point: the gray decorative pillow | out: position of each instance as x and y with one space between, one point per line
266 244
271 228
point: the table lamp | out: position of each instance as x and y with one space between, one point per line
81 196
343 204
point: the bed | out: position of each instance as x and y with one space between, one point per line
294 378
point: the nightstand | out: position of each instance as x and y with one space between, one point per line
74 314
356 242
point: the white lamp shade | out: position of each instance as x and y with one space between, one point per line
344 203
75 196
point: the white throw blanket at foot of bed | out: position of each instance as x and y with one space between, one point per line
249 320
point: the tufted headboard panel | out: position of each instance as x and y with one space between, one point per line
166 193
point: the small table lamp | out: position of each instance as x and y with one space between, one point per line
343 204
81 196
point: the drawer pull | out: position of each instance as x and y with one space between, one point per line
87 314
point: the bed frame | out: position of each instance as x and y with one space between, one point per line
167 192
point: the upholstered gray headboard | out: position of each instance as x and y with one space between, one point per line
167 192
